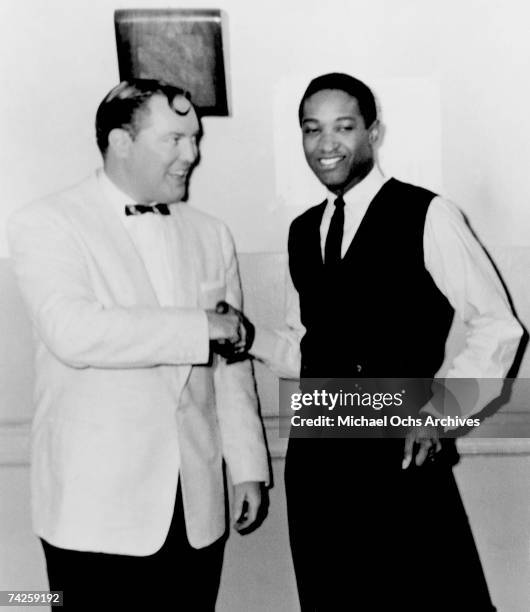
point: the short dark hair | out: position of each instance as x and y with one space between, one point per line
343 82
125 104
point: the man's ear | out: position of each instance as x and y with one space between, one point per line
120 142
374 132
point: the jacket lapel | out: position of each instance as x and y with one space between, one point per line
183 259
111 245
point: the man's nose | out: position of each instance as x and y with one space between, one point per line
188 150
327 142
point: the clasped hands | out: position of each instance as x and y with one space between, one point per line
231 333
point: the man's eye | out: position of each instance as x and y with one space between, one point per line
345 128
310 130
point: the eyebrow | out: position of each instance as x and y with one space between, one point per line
344 118
176 133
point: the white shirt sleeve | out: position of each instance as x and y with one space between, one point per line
279 349
464 274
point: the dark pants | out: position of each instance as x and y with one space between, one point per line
366 535
177 577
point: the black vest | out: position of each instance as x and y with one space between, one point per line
380 314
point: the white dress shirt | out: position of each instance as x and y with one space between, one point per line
150 235
459 268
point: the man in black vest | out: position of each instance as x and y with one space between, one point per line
378 270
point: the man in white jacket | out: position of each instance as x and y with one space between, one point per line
136 411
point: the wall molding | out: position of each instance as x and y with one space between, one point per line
15 443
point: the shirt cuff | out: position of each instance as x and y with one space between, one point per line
264 345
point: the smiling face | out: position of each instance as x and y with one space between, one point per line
157 160
337 144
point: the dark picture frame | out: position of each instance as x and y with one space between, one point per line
183 47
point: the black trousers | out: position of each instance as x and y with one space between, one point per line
177 577
366 535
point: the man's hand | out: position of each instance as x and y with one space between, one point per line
223 327
426 437
235 351
246 505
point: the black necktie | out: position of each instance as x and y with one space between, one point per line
332 250
140 209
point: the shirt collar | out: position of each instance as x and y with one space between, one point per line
363 192
117 199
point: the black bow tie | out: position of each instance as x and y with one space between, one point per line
140 209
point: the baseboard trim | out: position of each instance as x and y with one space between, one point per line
15 443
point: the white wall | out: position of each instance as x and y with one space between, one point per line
58 59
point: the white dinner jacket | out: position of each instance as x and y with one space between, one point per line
110 434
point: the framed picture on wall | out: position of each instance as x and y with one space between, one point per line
183 47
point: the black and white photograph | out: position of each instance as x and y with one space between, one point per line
265 306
